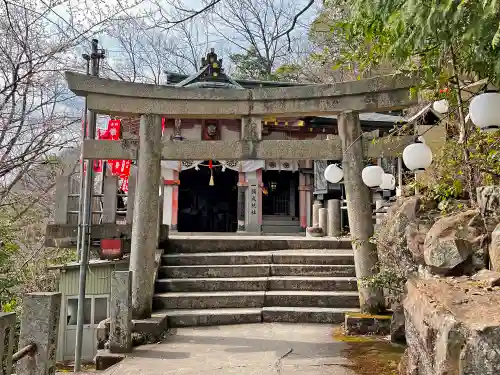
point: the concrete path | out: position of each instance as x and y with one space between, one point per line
259 349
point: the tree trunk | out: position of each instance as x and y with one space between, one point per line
359 209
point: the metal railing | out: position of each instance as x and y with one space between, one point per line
28 350
105 204
39 310
7 358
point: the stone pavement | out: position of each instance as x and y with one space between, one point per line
259 349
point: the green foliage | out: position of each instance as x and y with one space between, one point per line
287 73
23 256
422 35
8 250
388 279
10 306
446 180
443 191
251 65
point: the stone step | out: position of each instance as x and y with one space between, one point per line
280 218
286 223
225 316
208 300
297 298
255 299
257 257
304 314
155 325
299 256
312 283
211 284
282 229
315 257
313 270
256 283
255 270
205 244
210 317
175 272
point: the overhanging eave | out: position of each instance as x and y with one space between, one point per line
246 150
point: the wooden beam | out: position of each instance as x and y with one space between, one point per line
247 150
131 99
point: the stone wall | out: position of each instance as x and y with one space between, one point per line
452 326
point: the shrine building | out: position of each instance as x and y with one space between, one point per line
254 196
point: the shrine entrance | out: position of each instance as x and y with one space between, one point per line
204 207
281 196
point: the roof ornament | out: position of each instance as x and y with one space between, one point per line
214 65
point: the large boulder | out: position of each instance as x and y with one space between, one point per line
400 242
488 200
495 249
452 327
415 234
391 238
453 240
398 325
487 278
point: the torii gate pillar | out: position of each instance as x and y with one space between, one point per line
359 211
145 219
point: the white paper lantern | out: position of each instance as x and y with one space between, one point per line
417 156
372 175
388 182
334 174
484 111
441 106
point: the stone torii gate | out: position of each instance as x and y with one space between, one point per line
152 102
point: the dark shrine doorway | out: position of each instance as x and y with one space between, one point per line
281 195
205 208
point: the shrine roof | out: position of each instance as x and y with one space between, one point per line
212 75
175 78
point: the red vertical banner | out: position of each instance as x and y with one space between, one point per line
124 185
116 166
163 124
114 129
97 166
125 168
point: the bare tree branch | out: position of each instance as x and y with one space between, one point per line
295 19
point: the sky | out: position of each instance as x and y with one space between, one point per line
83 13
75 16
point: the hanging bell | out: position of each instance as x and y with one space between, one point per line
211 183
210 165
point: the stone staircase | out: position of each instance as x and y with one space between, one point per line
280 224
229 281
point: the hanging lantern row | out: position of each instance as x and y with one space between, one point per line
388 182
442 106
417 157
372 176
484 111
334 174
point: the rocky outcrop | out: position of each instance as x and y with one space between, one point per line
452 327
398 325
392 243
488 200
415 238
487 278
495 249
453 240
